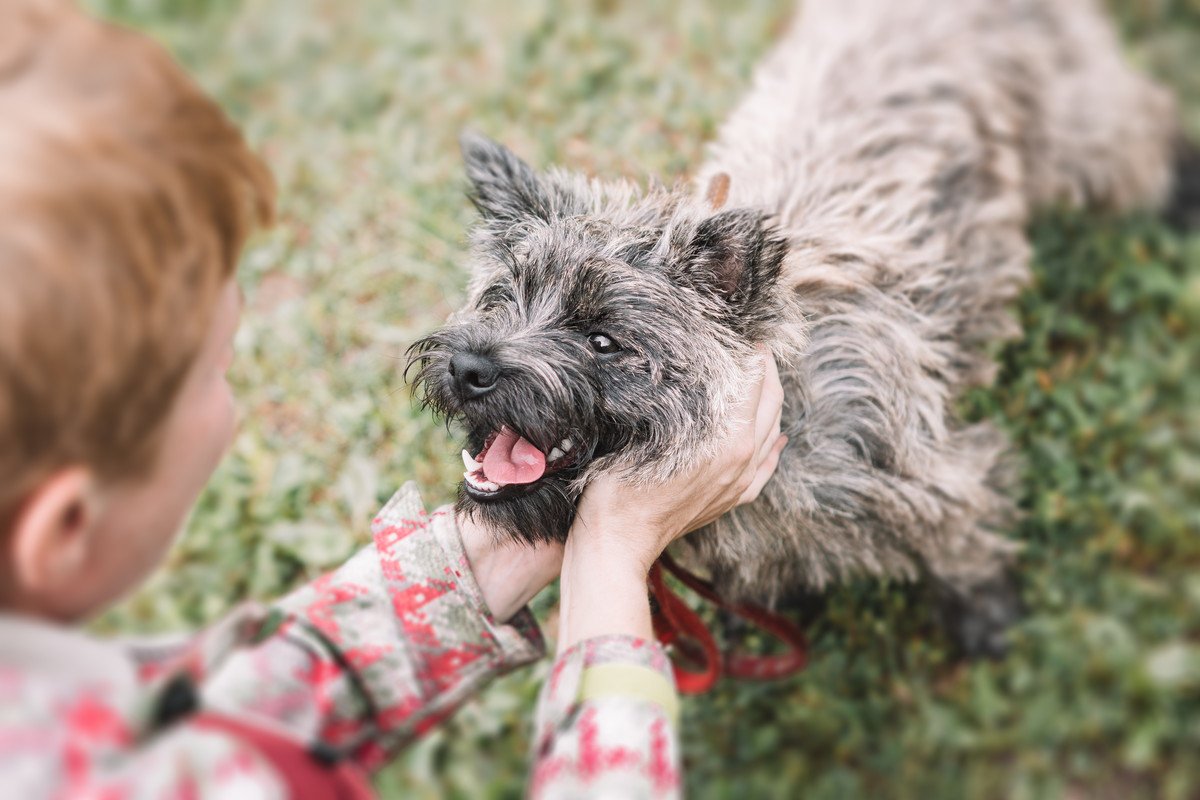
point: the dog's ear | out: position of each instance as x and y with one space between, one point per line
503 187
734 255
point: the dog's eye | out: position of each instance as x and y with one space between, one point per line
603 344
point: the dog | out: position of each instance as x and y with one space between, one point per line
862 212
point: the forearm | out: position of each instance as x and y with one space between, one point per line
603 593
606 717
378 652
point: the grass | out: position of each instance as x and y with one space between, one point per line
357 106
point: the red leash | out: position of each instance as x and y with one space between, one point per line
675 623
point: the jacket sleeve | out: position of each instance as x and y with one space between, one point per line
367 658
606 723
295 700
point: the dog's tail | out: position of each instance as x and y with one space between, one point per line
1182 211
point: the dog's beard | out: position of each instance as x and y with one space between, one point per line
538 510
543 515
549 406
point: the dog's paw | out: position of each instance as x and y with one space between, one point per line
978 620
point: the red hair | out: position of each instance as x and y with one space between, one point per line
126 196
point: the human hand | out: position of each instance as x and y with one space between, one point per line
620 530
643 520
509 573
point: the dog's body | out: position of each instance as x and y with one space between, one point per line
874 189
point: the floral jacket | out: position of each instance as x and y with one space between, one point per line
306 697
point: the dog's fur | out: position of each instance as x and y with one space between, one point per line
874 188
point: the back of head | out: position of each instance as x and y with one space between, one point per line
125 198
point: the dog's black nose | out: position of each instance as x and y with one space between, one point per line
473 375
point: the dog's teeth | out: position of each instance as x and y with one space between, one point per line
554 455
470 463
483 486
566 445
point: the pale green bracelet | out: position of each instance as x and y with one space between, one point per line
631 682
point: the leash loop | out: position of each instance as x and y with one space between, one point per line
699 662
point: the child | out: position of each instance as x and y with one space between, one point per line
125 198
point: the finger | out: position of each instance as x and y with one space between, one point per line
765 471
745 436
750 470
766 433
770 406
745 452
751 401
768 442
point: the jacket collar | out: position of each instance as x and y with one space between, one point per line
61 653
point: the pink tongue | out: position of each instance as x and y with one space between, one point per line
511 459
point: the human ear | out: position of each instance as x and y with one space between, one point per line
53 532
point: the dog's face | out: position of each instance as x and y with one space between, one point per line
604 331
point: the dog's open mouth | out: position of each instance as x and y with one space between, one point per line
510 465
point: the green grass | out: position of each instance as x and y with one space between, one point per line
357 107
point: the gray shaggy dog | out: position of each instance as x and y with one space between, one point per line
862 212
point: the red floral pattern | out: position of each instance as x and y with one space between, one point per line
607 747
364 660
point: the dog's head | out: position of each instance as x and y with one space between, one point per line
606 329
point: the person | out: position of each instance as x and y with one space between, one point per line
125 198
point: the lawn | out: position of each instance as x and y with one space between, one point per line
357 106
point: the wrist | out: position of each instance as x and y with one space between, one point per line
624 542
603 592
611 560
